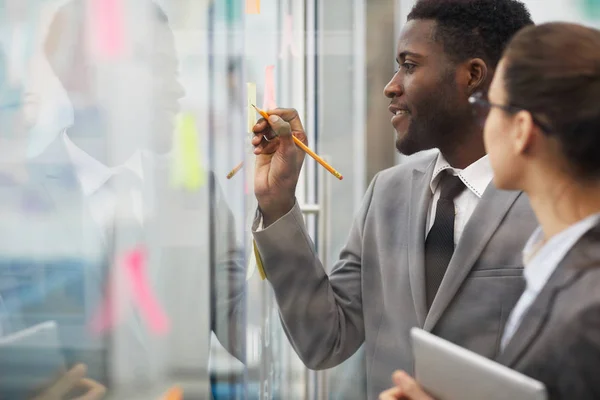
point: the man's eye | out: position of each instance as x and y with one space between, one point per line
409 67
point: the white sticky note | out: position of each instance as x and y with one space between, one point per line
251 88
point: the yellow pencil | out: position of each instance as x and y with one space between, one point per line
235 170
306 149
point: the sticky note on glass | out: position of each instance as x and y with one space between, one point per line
175 393
251 88
187 171
288 41
591 8
234 10
107 28
137 291
259 263
143 296
269 95
251 265
252 6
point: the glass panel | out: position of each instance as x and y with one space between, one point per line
125 242
274 63
119 250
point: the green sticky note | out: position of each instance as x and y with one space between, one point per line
591 8
233 10
187 169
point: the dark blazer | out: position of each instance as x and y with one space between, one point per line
558 341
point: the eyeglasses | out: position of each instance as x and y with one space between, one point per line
481 108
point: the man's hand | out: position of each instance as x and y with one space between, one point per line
73 380
406 389
278 162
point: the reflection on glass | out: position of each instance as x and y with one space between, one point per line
111 275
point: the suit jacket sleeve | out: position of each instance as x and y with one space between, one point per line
578 370
570 368
321 314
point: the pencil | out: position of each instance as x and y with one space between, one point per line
234 171
306 149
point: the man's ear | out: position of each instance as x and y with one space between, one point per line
477 75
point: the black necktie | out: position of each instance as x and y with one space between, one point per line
127 235
439 245
126 226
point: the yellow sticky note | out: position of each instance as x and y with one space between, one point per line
251 87
259 264
252 6
187 169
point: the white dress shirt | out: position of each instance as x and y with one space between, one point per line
92 175
540 260
476 178
102 200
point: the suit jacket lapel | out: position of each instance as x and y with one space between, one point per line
585 253
486 218
534 319
420 198
537 315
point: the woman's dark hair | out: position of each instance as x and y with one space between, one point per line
553 71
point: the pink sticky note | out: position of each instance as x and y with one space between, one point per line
109 314
288 38
269 96
107 28
132 269
147 303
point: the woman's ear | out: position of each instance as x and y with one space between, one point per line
523 133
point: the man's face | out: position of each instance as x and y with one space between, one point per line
424 95
138 92
143 91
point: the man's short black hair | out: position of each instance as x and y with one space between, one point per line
473 28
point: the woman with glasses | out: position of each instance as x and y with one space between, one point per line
542 134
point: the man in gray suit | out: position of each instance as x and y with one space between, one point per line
435 244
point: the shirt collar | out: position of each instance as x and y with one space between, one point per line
476 176
541 259
92 174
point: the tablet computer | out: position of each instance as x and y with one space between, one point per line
450 372
30 359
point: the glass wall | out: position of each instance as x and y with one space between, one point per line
126 172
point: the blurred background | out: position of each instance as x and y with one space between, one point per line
167 293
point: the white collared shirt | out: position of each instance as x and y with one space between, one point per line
92 175
476 178
102 201
540 260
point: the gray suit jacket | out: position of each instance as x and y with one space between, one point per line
376 291
558 341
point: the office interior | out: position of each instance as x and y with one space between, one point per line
208 323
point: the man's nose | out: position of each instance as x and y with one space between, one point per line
393 88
